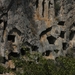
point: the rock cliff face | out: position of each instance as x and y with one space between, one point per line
47 26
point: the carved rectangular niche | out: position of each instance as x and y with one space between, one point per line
11 38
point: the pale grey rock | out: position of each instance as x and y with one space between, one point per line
36 24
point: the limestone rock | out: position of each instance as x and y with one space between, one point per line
42 24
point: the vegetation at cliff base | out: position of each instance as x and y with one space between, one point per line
36 64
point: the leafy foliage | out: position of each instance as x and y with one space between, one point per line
62 66
36 64
2 69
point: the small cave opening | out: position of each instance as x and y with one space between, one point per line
45 31
11 38
1 21
37 2
13 54
72 33
22 51
64 46
43 7
48 52
51 39
62 34
61 23
34 48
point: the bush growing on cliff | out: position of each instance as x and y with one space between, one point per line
2 69
41 66
62 66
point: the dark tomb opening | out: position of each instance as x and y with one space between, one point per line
51 39
1 21
61 23
13 54
62 34
34 48
43 7
45 31
48 52
37 2
65 46
72 33
22 51
11 38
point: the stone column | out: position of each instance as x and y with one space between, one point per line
40 8
46 9
49 9
52 11
63 10
1 39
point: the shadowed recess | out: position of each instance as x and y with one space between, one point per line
22 51
48 52
37 2
62 34
51 39
64 46
11 38
13 54
72 33
45 31
1 21
34 48
61 23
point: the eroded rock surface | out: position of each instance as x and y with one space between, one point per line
47 25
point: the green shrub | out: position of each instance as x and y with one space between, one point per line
42 66
2 69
